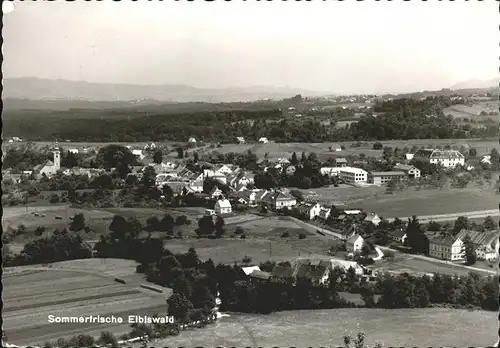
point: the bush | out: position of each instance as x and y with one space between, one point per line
39 231
238 230
243 236
246 259
378 146
285 234
302 235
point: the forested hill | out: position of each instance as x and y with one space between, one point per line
397 119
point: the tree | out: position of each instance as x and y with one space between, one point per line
167 192
158 157
489 224
219 226
294 160
180 152
116 156
152 223
415 236
378 146
78 223
69 161
472 152
196 157
179 306
107 338
206 225
461 223
167 223
469 251
118 227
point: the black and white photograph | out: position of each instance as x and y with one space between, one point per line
250 173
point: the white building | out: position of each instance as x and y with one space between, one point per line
411 171
310 209
223 206
330 171
354 243
263 140
446 158
448 248
73 151
192 140
353 175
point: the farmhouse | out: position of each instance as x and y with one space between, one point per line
223 206
246 197
240 140
192 141
73 151
310 210
353 175
335 147
341 162
399 236
354 243
373 218
446 248
263 140
282 274
446 158
250 269
411 171
317 274
382 178
280 200
485 243
325 213
259 275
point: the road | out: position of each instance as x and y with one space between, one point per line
453 216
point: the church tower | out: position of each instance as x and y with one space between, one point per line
57 158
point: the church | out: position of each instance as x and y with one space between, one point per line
50 168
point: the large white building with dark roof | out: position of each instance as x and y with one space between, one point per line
446 158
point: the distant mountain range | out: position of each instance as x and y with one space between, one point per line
476 83
59 90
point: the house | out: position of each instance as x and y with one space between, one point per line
353 175
399 236
354 243
485 243
311 210
248 270
341 162
259 275
216 192
138 153
446 248
50 168
330 171
151 146
446 158
263 140
240 187
73 151
325 213
409 156
335 147
290 170
411 171
260 195
345 265
196 186
240 140
486 159
192 141
246 197
373 218
382 178
280 200
282 274
317 274
223 206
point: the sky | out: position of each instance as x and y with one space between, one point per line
331 46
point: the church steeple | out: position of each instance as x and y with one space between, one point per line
57 157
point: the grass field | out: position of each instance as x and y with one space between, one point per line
73 288
428 327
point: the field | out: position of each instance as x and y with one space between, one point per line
430 327
74 288
408 202
474 111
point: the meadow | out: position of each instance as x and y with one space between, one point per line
73 288
429 327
